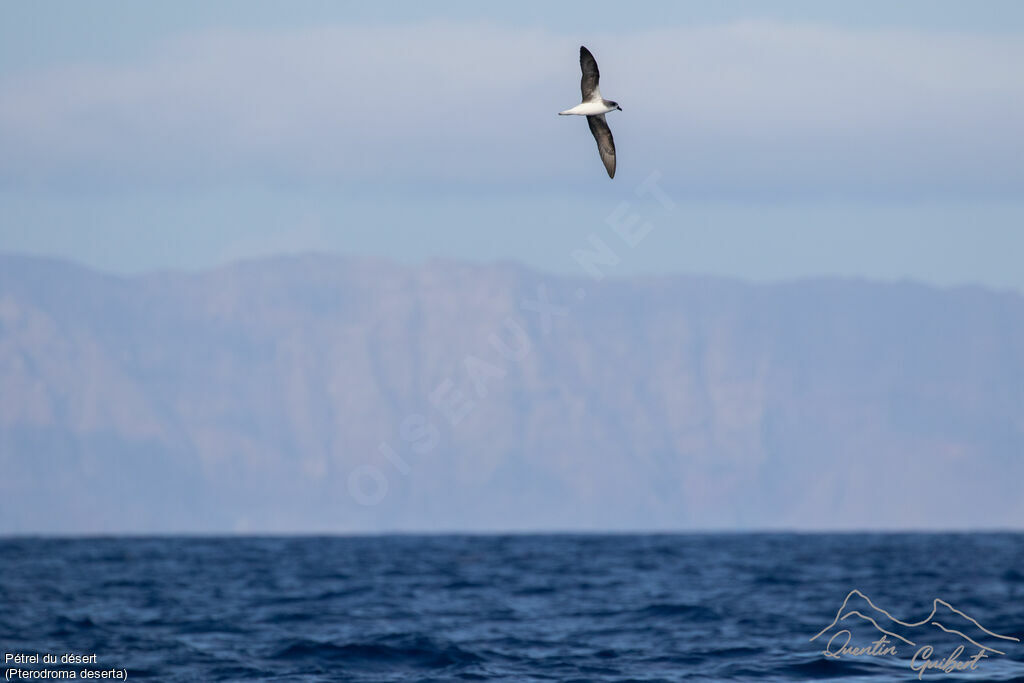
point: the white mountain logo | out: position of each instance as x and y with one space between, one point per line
895 635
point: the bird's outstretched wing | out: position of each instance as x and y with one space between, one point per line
605 141
588 84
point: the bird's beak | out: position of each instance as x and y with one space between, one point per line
619 108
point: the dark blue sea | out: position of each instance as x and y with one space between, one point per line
506 608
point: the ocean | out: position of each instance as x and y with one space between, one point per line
628 607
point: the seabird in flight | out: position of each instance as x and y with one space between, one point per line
594 107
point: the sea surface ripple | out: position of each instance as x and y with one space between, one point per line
513 607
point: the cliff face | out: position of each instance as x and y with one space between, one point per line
286 394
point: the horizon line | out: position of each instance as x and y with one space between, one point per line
57 535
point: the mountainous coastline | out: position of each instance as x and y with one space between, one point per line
322 393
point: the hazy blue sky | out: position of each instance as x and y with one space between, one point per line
871 139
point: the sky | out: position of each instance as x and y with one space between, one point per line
792 139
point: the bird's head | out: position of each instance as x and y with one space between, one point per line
616 105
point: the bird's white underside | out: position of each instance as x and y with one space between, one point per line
591 106
588 109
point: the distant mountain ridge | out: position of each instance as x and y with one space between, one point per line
245 397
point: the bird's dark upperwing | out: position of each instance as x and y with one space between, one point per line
605 141
588 84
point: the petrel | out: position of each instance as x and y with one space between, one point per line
594 107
